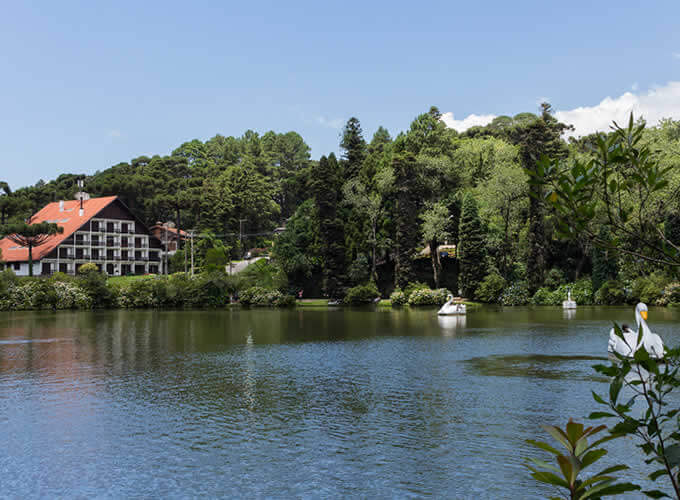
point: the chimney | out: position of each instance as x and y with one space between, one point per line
61 205
81 211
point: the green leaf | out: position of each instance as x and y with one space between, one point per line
614 389
673 455
655 494
592 457
598 398
600 414
549 478
543 446
544 464
606 489
657 474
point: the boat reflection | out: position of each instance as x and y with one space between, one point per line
568 313
449 324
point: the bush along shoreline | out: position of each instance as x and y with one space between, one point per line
91 289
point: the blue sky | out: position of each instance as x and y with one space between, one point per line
85 85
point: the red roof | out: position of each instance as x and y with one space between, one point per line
161 228
69 219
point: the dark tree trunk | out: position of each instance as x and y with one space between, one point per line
436 263
30 259
179 239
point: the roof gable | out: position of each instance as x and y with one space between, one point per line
69 218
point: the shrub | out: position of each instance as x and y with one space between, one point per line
8 281
491 288
412 287
137 294
544 297
671 295
89 267
427 297
553 279
259 296
610 293
398 298
285 301
60 277
648 289
362 294
94 284
516 294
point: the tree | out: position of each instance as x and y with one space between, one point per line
369 204
604 262
7 203
31 236
537 137
407 234
471 248
354 148
435 230
622 186
298 248
326 185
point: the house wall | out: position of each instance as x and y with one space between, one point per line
23 269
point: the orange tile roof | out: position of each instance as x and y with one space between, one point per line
182 232
69 219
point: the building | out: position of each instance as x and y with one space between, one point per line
168 235
98 230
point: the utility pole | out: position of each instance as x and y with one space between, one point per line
240 234
179 235
192 252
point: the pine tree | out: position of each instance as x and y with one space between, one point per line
406 218
471 248
354 147
326 186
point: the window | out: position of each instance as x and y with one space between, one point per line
17 266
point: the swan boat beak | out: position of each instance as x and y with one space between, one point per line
644 315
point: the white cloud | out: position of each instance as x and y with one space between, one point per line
659 102
114 134
335 123
467 122
634 87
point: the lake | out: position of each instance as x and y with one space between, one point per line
296 403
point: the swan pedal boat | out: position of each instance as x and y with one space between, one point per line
651 341
454 306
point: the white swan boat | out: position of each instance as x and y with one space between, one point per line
629 344
569 304
453 306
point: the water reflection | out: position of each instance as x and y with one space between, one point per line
449 324
293 403
568 313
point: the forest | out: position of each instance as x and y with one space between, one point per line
471 212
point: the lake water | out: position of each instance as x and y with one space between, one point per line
300 403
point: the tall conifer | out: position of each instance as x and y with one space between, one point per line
471 249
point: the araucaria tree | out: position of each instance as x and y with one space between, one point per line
31 236
354 148
471 248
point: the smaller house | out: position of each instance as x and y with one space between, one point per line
168 235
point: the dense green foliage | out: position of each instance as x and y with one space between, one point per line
471 248
482 213
362 294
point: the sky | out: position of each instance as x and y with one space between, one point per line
86 85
